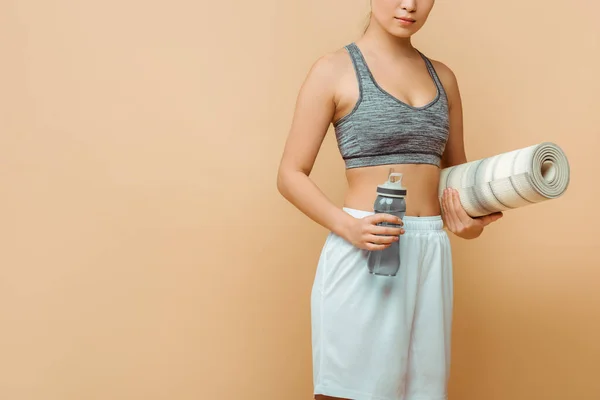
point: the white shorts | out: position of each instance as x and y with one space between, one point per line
384 338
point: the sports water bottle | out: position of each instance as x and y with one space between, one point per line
390 200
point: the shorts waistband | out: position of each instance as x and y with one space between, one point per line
411 223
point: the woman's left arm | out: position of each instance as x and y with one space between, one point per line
454 215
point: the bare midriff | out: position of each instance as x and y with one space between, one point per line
420 180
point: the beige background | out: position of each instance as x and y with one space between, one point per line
145 250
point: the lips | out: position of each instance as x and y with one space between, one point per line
404 19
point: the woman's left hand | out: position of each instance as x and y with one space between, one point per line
457 219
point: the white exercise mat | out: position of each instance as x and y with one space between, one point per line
509 180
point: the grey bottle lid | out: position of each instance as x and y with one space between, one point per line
392 188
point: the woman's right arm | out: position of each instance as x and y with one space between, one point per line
314 111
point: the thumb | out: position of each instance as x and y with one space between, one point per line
488 219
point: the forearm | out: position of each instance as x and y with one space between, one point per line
306 196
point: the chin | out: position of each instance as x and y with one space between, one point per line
400 33
403 32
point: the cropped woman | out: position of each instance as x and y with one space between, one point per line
381 338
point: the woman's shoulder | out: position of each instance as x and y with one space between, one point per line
332 64
329 70
446 75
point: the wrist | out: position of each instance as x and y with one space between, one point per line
342 225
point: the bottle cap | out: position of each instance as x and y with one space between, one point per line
392 187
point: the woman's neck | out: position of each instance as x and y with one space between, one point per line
378 39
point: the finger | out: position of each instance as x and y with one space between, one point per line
449 211
461 214
376 247
376 239
445 215
452 209
386 230
488 219
383 217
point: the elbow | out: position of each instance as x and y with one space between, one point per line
285 180
281 181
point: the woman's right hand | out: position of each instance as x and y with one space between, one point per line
365 234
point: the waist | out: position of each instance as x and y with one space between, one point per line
411 223
420 180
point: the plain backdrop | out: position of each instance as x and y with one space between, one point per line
146 254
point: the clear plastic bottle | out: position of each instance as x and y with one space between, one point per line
390 200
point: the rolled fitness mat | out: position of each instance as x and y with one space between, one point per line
509 180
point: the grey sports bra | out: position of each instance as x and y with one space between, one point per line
381 129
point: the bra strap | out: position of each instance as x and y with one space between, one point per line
432 72
360 67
